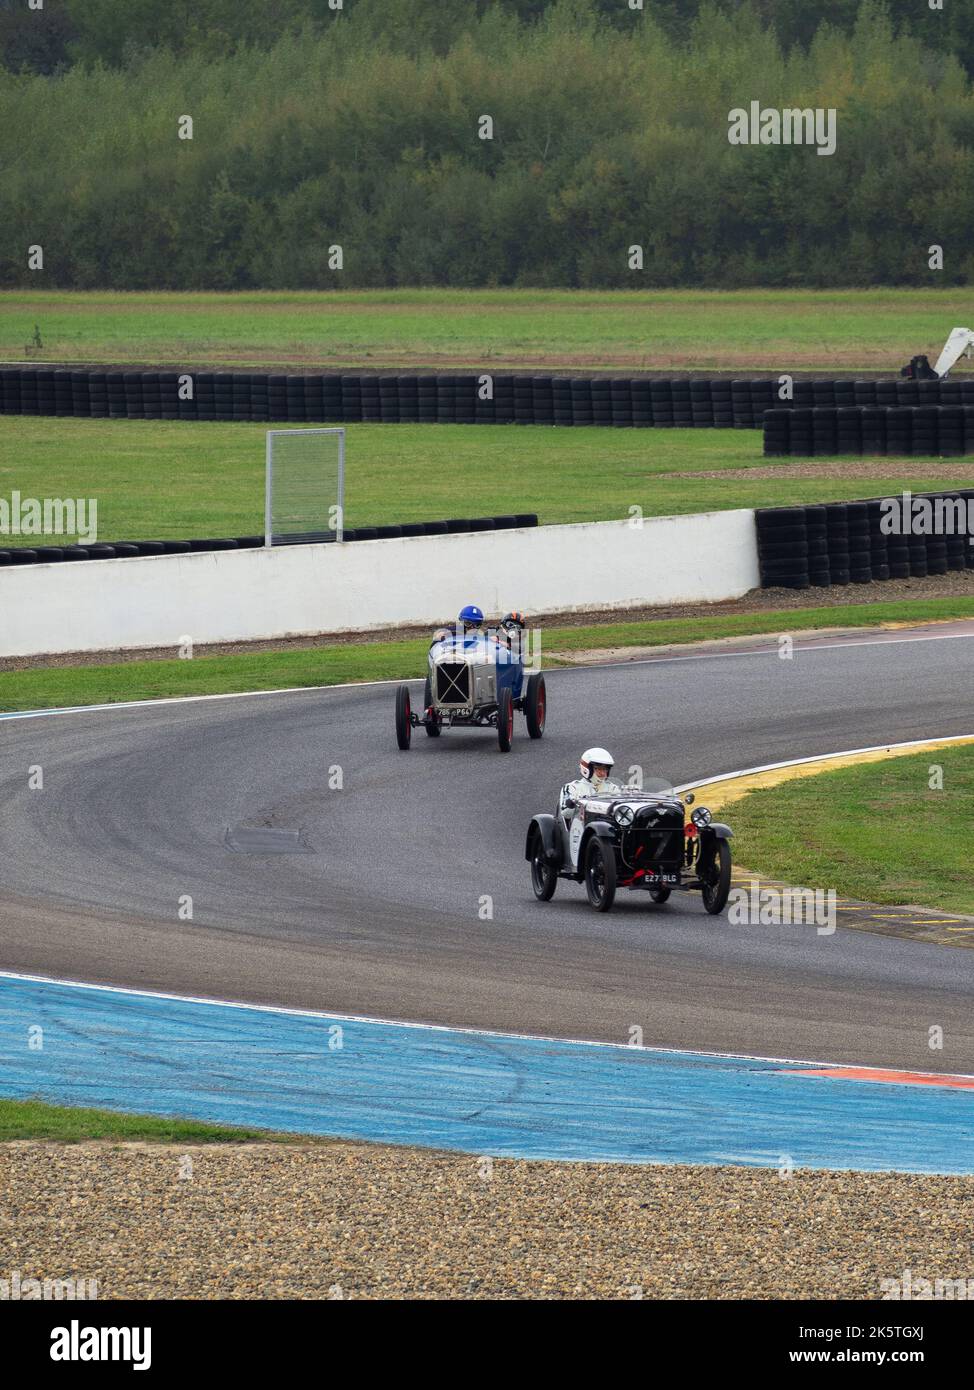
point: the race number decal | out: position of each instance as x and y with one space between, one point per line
575 838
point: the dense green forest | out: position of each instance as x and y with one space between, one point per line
360 127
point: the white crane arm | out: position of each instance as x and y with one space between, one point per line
960 341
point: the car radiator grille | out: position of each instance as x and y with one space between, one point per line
663 846
453 683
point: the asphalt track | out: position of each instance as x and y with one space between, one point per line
387 913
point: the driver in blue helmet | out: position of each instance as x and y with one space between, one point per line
469 619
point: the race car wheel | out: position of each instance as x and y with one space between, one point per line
432 720
404 727
659 895
544 876
505 719
717 890
600 875
535 705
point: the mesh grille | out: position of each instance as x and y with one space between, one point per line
453 683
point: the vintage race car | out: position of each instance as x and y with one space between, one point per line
476 679
629 838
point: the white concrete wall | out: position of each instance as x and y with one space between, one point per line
239 595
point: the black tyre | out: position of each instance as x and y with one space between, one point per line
432 723
600 875
536 705
404 727
505 719
716 891
659 895
544 876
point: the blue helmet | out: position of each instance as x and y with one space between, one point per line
471 616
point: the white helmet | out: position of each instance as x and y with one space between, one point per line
592 758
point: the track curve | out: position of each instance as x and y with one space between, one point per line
385 916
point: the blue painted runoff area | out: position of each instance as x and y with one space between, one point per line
480 1093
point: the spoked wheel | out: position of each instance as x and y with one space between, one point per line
544 876
717 890
432 721
600 875
536 705
505 719
404 725
660 894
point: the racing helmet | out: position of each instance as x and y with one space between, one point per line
593 758
471 616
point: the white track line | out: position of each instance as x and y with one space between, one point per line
362 685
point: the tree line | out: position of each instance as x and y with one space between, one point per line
363 129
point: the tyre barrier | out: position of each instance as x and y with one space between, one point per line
470 399
847 543
50 554
944 431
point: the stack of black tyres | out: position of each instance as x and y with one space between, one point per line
561 401
642 403
783 547
777 424
661 403
837 537
860 544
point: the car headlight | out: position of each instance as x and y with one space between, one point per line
701 817
623 815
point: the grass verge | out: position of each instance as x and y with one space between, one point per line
59 686
34 1119
775 330
879 831
159 479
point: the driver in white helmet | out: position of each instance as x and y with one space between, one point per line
595 766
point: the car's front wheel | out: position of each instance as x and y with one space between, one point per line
535 705
404 723
544 876
600 874
505 719
717 888
432 719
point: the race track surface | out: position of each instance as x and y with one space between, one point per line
386 914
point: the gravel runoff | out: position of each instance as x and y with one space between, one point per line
341 1220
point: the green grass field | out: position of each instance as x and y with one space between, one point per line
771 330
56 687
34 1119
169 479
876 832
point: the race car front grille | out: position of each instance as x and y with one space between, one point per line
453 683
662 846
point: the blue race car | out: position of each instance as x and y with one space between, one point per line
476 679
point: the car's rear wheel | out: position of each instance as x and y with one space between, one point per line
505 719
717 889
544 876
432 719
600 875
536 705
659 895
404 725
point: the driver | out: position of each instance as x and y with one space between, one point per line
469 619
595 766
